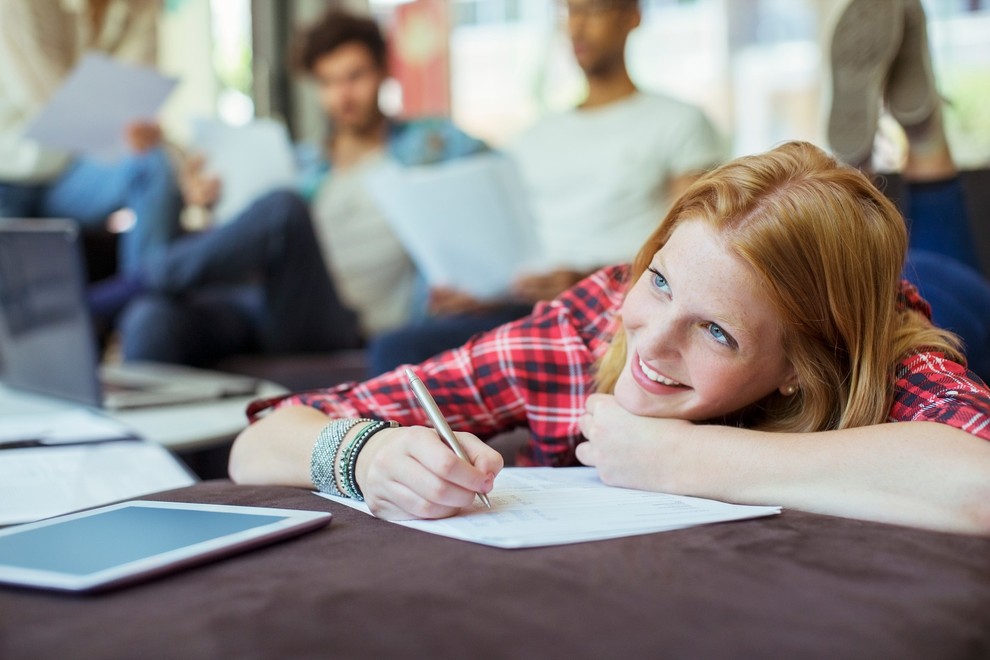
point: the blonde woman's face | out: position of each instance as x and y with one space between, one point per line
702 339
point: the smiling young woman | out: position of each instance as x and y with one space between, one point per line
754 352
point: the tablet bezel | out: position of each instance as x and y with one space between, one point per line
294 522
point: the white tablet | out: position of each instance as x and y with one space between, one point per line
123 543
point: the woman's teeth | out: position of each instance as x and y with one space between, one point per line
656 377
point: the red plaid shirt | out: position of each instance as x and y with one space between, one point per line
537 372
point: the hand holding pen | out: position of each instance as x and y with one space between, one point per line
407 472
439 423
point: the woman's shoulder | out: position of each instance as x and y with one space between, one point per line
928 386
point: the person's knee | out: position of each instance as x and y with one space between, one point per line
151 329
283 203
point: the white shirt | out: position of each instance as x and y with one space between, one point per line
596 179
371 270
40 43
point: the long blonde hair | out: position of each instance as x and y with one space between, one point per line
829 249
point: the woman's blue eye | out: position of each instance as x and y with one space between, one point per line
718 334
659 281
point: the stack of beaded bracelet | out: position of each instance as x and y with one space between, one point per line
349 456
323 461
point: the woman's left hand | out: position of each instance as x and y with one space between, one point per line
629 450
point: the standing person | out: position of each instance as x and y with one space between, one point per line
40 43
880 57
762 348
597 177
331 271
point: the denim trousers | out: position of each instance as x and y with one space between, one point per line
943 263
256 284
90 190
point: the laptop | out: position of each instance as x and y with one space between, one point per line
47 343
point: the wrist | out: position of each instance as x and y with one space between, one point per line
326 452
351 450
366 457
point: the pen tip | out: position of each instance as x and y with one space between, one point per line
410 374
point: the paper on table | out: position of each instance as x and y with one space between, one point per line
39 482
249 160
465 222
94 105
551 506
73 425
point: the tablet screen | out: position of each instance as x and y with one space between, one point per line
125 541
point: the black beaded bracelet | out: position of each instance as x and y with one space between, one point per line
349 456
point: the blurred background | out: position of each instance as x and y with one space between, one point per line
756 66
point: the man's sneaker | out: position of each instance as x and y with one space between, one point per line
864 43
911 92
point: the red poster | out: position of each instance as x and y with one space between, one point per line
421 57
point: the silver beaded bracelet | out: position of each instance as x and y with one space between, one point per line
349 456
323 460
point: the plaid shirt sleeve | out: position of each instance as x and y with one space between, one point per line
929 387
533 372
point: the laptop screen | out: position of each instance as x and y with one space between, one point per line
46 339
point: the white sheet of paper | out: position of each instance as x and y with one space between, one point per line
39 482
250 160
551 506
91 109
465 222
72 425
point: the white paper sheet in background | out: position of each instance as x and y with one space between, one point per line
39 482
552 506
72 425
465 222
94 105
250 160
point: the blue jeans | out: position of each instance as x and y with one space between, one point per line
89 191
943 263
938 220
256 284
419 341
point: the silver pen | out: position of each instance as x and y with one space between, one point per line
439 423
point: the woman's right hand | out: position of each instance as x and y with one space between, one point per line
409 472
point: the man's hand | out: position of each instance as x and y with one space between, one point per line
546 286
198 188
142 136
445 300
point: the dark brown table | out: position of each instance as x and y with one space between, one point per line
794 585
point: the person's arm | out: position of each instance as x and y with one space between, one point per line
485 387
534 287
403 472
33 68
921 474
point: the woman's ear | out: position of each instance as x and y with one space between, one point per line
791 384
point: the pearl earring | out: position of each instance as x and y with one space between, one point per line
790 390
